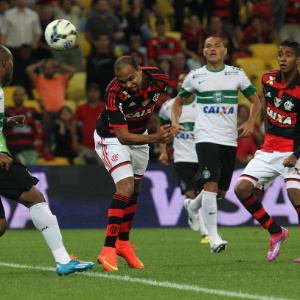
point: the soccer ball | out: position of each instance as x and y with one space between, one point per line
61 34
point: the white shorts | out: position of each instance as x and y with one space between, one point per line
263 169
122 161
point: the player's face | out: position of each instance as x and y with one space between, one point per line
214 50
287 59
8 65
130 79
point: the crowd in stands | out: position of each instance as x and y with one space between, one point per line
164 33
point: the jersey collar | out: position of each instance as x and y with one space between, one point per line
215 71
294 82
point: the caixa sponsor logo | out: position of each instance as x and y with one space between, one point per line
138 114
185 136
222 110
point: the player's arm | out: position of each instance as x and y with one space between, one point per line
177 108
255 108
165 134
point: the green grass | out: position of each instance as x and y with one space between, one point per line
177 266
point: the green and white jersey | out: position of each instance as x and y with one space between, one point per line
184 143
1 113
217 101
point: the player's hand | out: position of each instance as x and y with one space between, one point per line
166 134
5 161
246 129
19 120
163 158
290 161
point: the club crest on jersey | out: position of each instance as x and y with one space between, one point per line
288 105
277 101
218 97
146 102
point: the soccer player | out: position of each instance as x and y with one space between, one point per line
185 156
18 184
279 155
121 141
216 86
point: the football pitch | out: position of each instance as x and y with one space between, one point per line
177 266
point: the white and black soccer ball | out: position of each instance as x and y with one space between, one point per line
61 34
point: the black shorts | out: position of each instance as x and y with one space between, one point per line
216 163
16 180
186 176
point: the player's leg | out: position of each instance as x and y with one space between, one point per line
139 159
19 185
117 160
260 169
3 224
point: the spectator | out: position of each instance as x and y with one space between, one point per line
136 50
4 6
104 22
43 50
256 32
51 87
243 115
84 121
63 135
192 38
162 46
245 11
263 9
15 31
246 147
136 17
23 60
286 18
20 140
99 67
72 13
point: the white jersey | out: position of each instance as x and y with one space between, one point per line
184 143
217 101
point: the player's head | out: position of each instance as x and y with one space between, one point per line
129 74
214 49
288 55
6 65
181 78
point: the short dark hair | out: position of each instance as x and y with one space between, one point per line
216 37
124 61
292 44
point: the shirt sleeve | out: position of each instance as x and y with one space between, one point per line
115 112
246 87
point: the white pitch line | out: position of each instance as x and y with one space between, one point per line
164 284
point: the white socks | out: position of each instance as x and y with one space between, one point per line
47 224
210 212
197 202
203 229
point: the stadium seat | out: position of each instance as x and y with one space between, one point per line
174 34
272 64
8 92
76 86
266 52
254 68
32 103
58 161
84 45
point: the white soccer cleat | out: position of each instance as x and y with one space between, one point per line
193 219
218 245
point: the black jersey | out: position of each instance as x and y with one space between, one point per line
282 111
132 111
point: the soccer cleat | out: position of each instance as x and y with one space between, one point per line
124 249
193 219
275 244
204 239
108 259
74 265
218 245
297 260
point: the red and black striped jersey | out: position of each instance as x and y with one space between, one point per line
131 111
292 15
282 112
